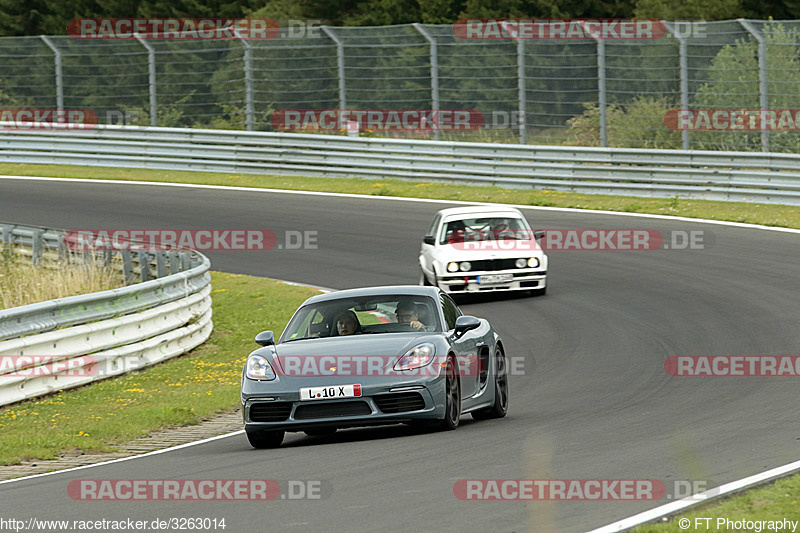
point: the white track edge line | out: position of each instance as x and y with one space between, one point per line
123 459
703 497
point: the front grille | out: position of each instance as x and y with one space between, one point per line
270 411
492 264
330 410
399 403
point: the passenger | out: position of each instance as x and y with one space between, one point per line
347 323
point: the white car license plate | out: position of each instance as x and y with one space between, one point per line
330 392
495 278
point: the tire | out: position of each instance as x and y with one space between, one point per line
323 432
500 406
452 406
265 439
423 280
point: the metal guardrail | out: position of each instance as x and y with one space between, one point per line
105 333
712 175
184 273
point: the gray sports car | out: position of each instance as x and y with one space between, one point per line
380 355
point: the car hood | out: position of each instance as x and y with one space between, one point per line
448 252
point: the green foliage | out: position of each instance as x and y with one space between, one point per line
734 84
639 124
689 9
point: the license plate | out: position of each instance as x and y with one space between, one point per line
495 278
331 392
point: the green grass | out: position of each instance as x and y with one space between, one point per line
766 214
772 502
178 392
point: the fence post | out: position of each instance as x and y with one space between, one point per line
151 63
434 54
340 66
601 90
684 66
521 87
248 83
762 80
59 73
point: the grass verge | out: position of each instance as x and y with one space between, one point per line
774 502
766 214
179 392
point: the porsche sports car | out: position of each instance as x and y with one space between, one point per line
482 248
372 356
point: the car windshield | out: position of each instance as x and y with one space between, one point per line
485 228
363 316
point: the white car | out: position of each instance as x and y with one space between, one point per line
482 249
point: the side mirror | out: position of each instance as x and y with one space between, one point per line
428 239
538 234
465 323
265 338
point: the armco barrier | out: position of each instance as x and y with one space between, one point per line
116 331
712 175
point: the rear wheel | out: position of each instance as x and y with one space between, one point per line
265 439
452 411
500 407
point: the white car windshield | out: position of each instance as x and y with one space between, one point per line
484 228
366 315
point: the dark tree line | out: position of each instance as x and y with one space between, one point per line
37 17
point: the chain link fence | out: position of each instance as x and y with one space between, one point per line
578 92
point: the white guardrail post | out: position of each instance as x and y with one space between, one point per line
67 342
712 175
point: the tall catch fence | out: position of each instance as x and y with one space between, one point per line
587 92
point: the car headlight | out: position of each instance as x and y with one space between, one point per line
452 267
417 357
465 266
257 367
521 263
533 262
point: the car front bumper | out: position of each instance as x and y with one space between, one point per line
280 408
465 282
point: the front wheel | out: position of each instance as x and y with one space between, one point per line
265 439
452 411
423 279
500 406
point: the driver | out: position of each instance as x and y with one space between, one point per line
407 313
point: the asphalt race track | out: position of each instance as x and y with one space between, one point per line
591 401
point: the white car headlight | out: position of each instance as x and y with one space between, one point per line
452 267
465 266
533 262
258 367
521 263
417 357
